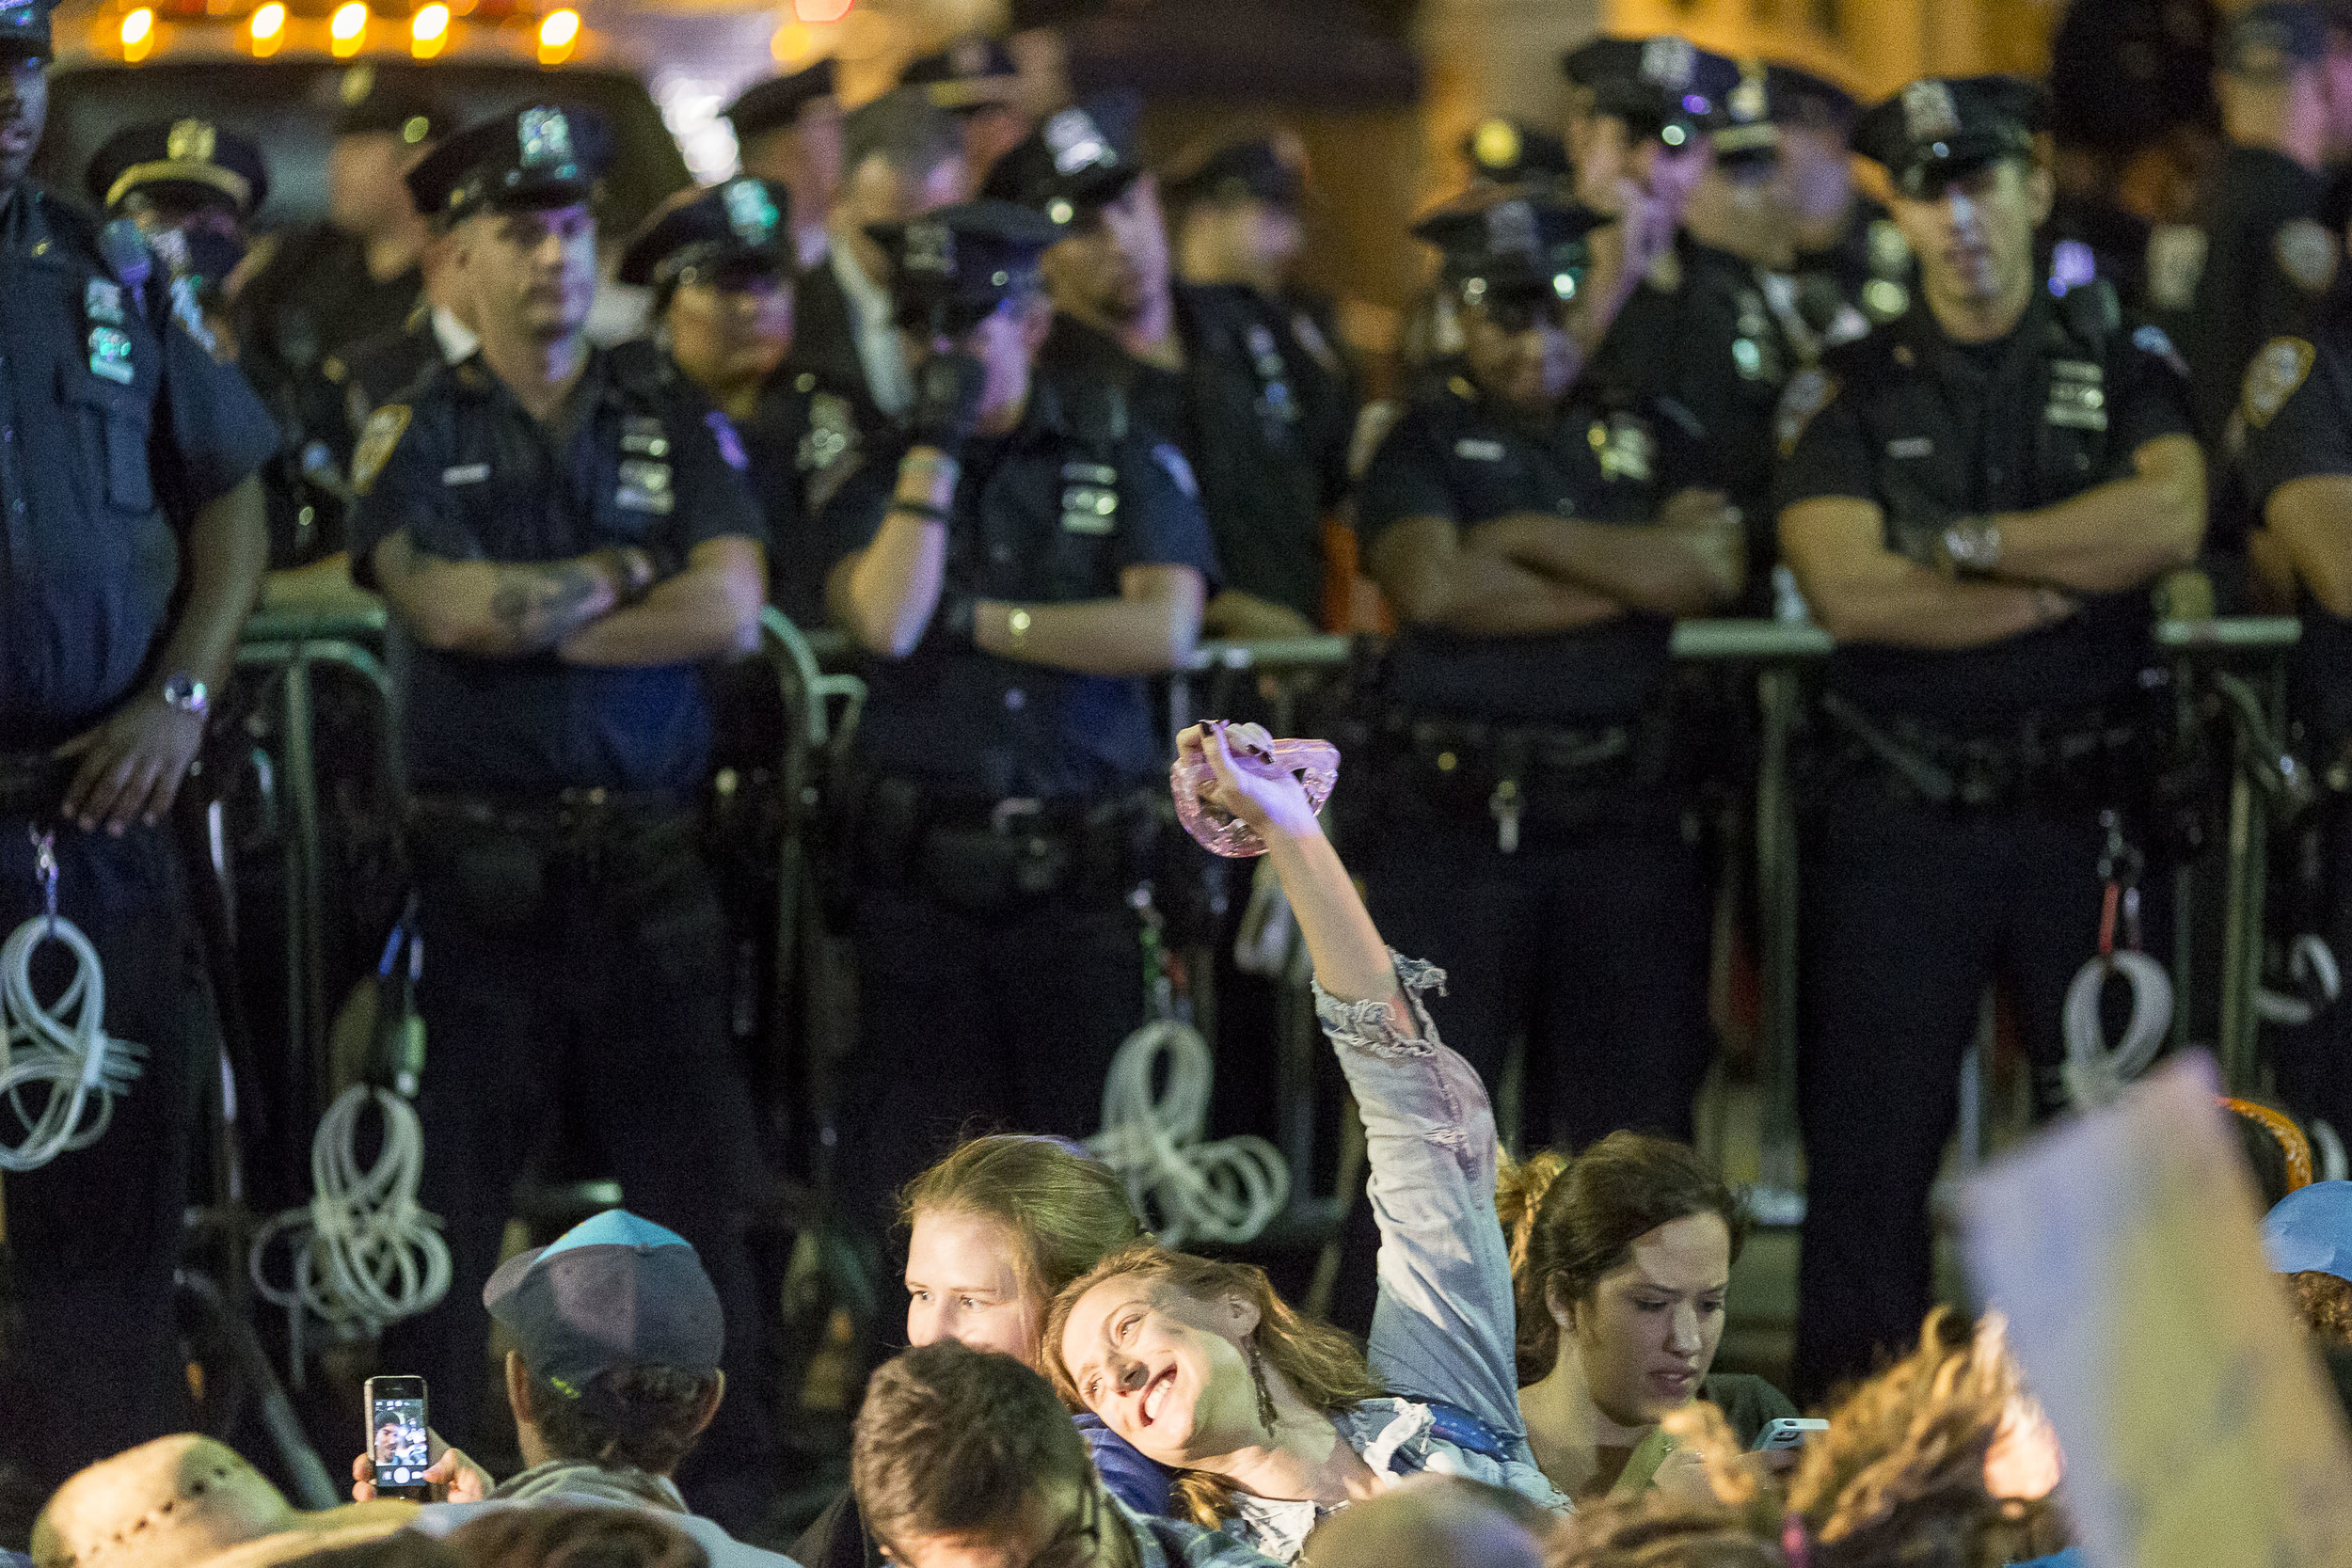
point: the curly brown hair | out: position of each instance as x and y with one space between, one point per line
1325 1367
1573 1220
574 1538
2324 1302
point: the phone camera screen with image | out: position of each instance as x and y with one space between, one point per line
397 1443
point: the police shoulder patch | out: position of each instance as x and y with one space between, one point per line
1179 468
1807 393
385 428
2272 376
2307 254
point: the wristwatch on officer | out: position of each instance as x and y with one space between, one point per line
1970 548
184 691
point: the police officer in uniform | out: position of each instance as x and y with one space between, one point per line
1014 568
131 541
1975 502
1851 264
562 546
976 80
720 266
191 188
787 129
1528 527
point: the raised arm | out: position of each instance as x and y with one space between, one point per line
1445 1323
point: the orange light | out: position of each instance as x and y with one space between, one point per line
821 10
138 34
428 30
558 32
348 28
792 43
268 22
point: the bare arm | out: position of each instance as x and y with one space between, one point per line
1689 562
1150 629
2117 536
500 610
1862 591
323 585
1435 577
2311 522
887 594
709 610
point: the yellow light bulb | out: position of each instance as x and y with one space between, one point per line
138 27
269 22
350 21
559 29
428 30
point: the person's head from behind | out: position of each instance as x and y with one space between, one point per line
1967 189
1622 1261
962 1458
900 158
2308 1237
1653 1529
1238 213
515 193
2273 77
967 291
1434 1520
382 131
1514 258
578 1537
617 1337
997 1229
1188 1358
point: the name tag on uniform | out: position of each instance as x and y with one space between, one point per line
466 473
646 485
1477 451
1090 509
1911 446
2078 396
642 434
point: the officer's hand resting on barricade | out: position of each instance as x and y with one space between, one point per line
946 406
133 763
455 1478
1275 807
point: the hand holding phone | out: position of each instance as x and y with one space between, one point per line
1787 1432
399 1447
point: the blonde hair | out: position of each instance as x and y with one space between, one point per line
1325 1367
2324 1302
1067 1208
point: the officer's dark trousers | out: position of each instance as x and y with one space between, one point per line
594 1002
979 1023
1910 912
1590 941
93 1365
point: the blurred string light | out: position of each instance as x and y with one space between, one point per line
558 34
267 27
348 28
428 30
138 34
690 108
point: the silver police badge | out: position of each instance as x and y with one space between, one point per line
930 247
1076 143
1668 61
1511 228
2272 376
750 212
1929 112
191 141
544 137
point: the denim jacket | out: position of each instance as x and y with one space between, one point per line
1445 1328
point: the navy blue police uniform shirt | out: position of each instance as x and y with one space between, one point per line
2297 407
1934 430
1042 517
471 476
117 427
1603 458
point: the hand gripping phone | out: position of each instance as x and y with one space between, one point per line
1787 1432
396 1436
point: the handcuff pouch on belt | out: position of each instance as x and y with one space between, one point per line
981 858
2088 760
1520 775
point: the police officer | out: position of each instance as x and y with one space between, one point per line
1273 403
1503 151
720 266
1530 531
131 540
975 80
2256 260
1851 264
562 546
787 129
192 189
1014 569
1974 501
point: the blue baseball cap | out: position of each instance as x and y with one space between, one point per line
2309 1231
614 1290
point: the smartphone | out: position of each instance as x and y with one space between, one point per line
396 1436
1787 1432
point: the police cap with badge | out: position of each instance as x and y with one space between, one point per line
25 28
1511 151
1256 169
187 163
534 159
369 102
1800 98
1941 129
777 101
731 235
1513 251
1666 87
969 73
1747 129
952 268
1077 160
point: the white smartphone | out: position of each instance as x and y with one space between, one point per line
1787 1432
